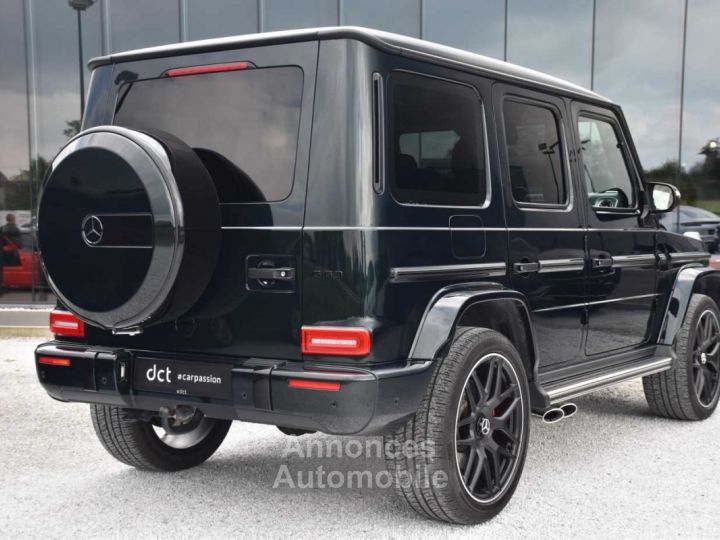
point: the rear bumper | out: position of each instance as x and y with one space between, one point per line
368 400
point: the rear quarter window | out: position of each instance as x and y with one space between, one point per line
437 145
242 124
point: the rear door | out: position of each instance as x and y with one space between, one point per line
621 246
546 237
247 114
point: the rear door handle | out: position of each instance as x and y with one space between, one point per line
526 267
602 262
272 274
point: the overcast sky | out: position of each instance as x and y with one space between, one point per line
637 53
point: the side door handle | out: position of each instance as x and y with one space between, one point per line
526 267
602 262
271 274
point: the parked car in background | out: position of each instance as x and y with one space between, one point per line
689 219
27 268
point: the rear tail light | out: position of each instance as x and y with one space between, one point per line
64 323
210 68
335 341
53 361
314 385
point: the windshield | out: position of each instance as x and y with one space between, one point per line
690 213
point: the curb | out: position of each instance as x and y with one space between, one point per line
25 331
25 322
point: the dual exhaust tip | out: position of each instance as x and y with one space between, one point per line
555 414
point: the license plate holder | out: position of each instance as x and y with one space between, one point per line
185 378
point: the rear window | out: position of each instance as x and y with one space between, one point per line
242 124
437 146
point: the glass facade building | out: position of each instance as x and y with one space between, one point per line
657 58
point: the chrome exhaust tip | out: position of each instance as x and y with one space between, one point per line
569 409
553 416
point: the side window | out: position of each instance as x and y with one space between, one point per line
608 181
534 151
437 147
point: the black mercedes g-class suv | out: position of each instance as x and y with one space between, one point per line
353 232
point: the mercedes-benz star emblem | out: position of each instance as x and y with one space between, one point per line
485 426
92 230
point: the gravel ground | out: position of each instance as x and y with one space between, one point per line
611 471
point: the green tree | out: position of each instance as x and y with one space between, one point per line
19 188
72 129
667 172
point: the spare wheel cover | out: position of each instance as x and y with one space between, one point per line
128 227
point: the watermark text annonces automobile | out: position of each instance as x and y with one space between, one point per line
329 475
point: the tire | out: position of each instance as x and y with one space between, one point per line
423 452
672 393
136 443
294 432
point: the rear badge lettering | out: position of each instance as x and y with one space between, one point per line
328 274
199 379
161 375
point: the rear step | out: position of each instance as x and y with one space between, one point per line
566 389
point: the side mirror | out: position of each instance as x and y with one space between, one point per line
665 197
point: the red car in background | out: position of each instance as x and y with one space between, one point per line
21 276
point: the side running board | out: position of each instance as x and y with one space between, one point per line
565 389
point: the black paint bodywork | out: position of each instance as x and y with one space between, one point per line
409 273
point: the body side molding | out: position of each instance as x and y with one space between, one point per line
450 271
689 257
631 261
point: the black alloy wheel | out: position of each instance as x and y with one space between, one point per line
471 432
489 428
706 358
690 389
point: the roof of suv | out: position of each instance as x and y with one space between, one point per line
389 42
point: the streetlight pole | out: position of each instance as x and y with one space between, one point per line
80 6
82 68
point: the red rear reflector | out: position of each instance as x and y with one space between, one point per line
335 341
64 323
52 361
211 68
314 385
